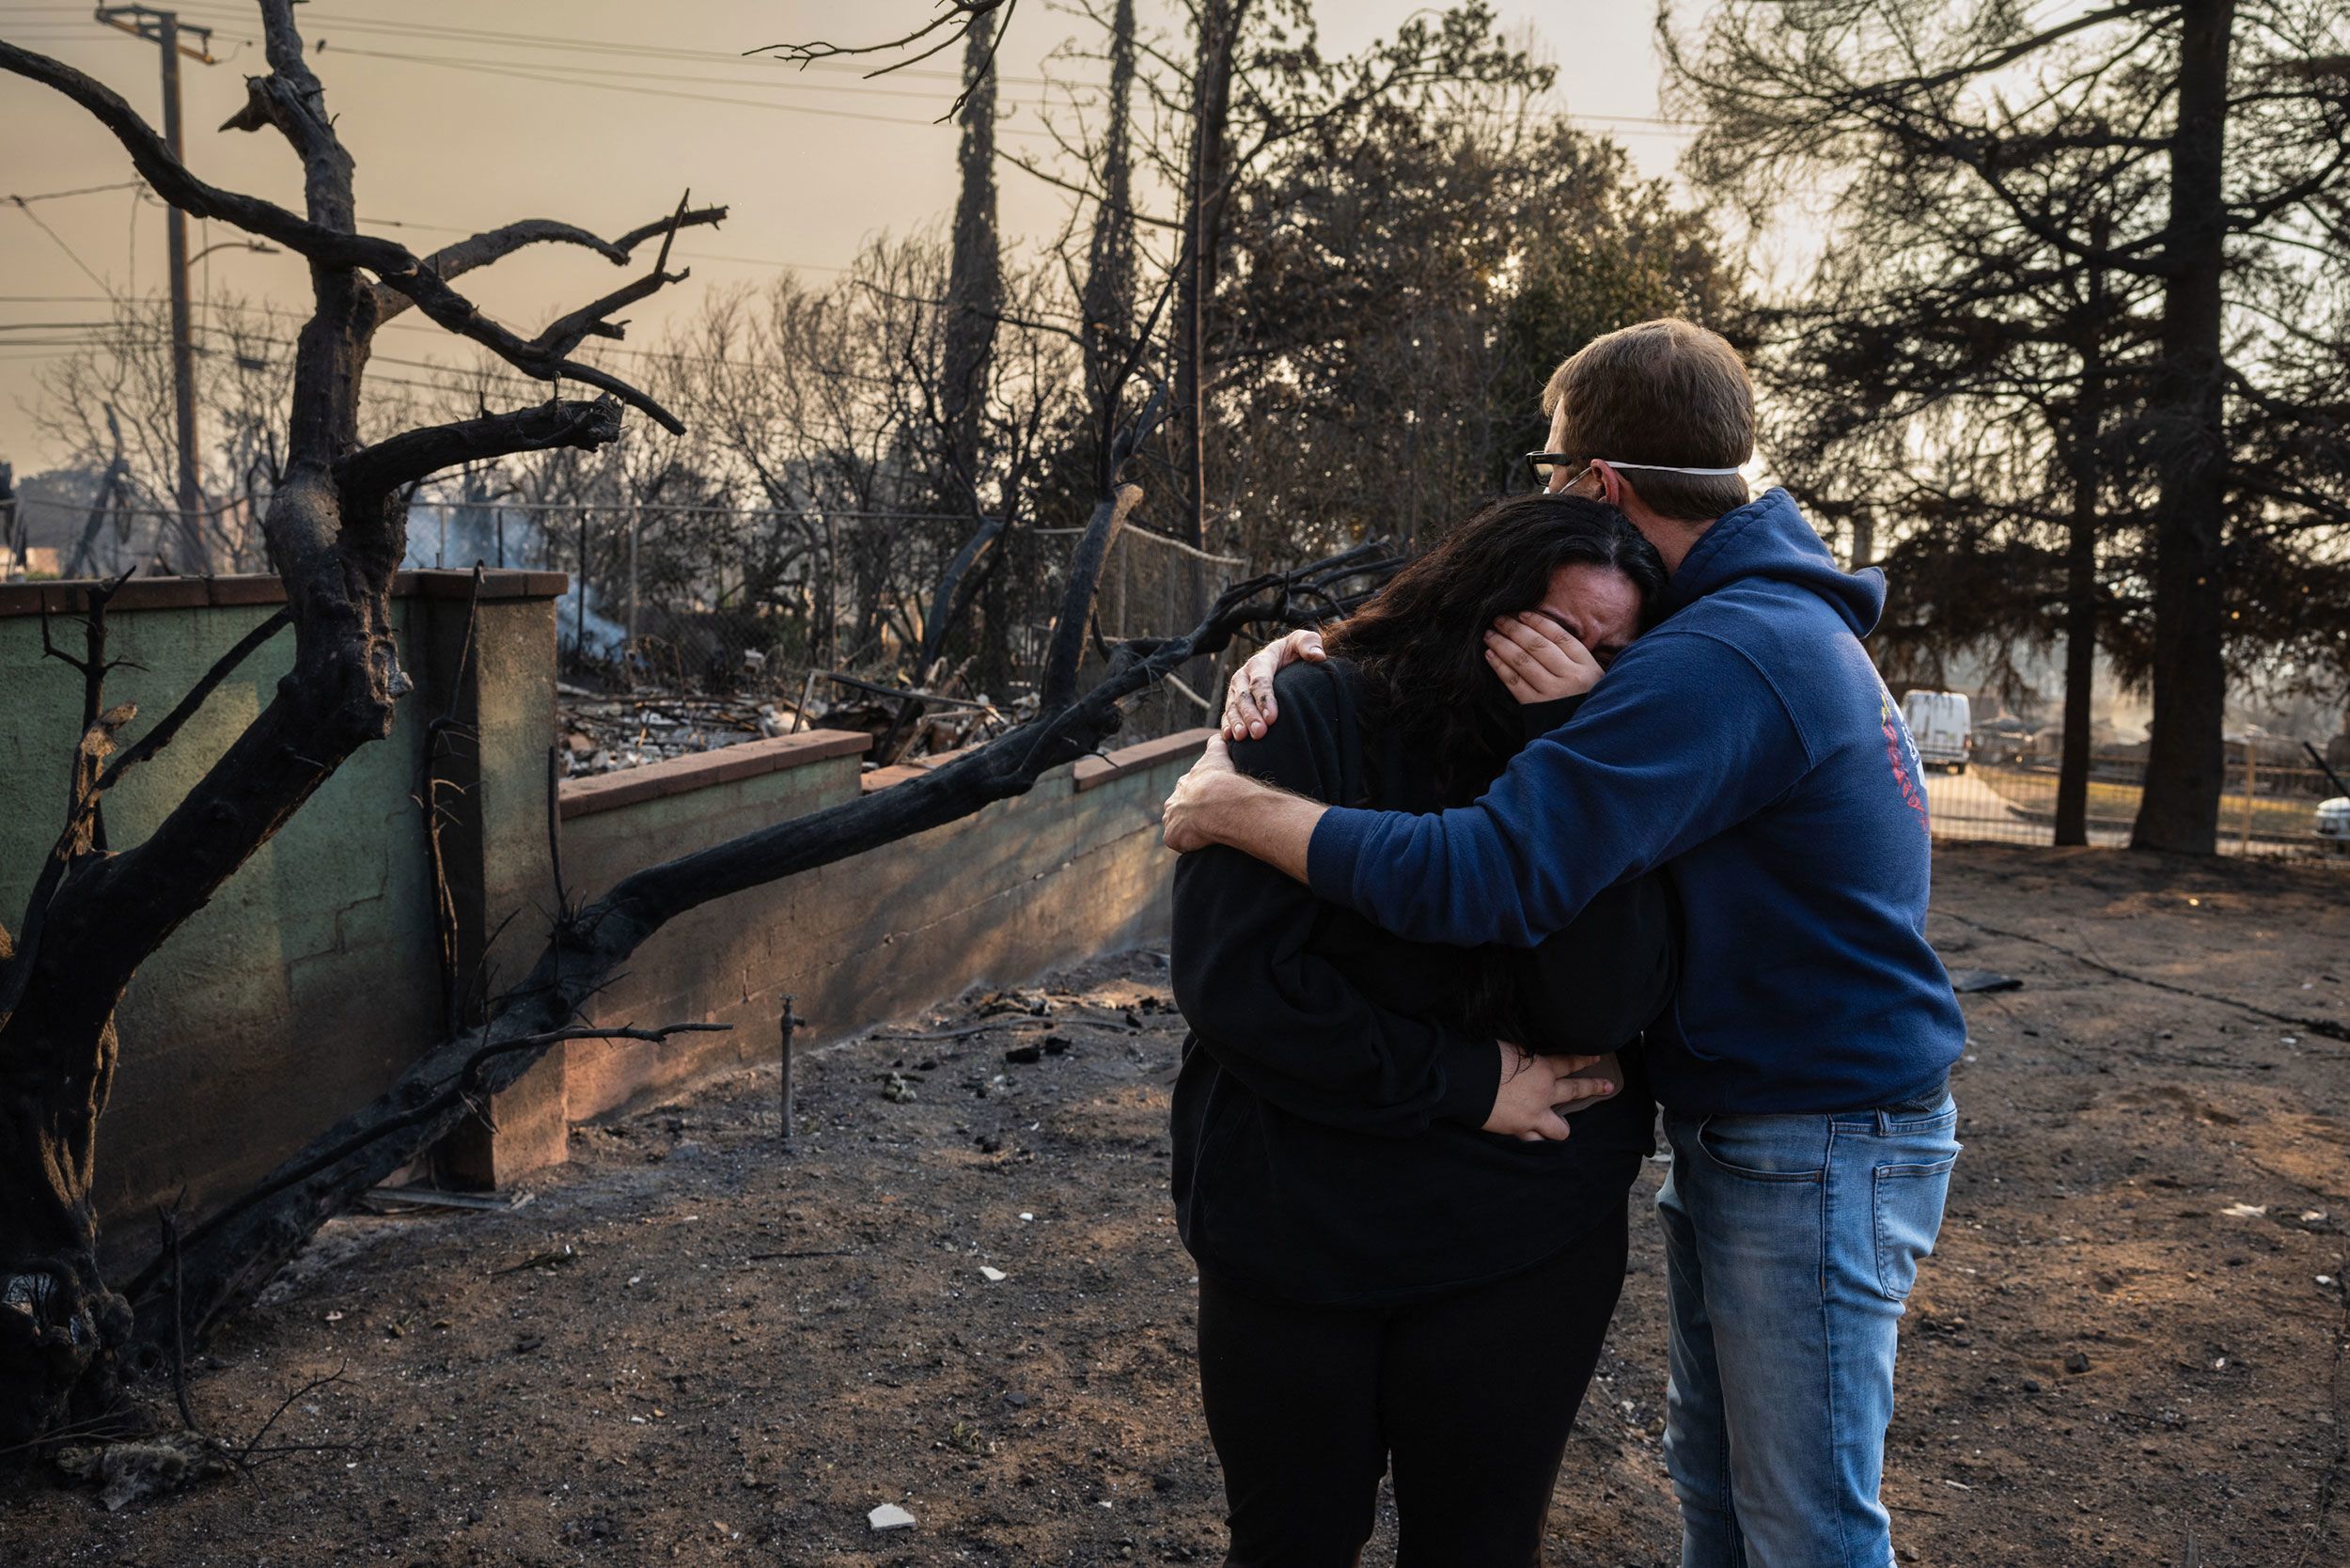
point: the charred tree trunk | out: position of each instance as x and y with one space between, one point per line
335 534
1108 305
974 280
2185 763
974 303
1206 188
62 1331
1206 191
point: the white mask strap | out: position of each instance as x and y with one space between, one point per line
1669 468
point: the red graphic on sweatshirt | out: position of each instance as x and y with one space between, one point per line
1900 754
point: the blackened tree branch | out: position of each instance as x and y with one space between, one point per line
161 736
392 262
955 21
454 260
396 461
564 333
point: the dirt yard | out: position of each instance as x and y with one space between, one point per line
692 1347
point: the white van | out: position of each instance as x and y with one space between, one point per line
1940 723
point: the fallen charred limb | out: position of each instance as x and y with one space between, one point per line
225 1263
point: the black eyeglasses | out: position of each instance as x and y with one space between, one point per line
1540 464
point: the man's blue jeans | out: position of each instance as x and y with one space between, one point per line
1790 1242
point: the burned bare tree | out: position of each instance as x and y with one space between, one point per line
111 405
335 531
975 277
1207 192
1108 302
974 303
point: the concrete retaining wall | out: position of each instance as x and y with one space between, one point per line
1072 868
311 978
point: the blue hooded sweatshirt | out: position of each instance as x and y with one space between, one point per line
1747 745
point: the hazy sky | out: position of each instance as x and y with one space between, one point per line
461 116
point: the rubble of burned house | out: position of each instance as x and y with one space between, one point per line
599 733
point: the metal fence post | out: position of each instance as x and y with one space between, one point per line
2249 764
791 1021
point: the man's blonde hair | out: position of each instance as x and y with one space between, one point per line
1667 392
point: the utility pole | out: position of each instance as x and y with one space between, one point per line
162 28
11 526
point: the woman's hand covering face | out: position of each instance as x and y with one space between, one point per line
1538 659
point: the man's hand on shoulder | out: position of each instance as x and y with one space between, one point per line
1249 709
1217 804
1186 818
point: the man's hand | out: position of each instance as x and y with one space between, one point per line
1249 706
1185 820
1535 1088
1538 659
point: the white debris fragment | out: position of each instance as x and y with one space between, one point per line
2245 1211
993 1276
889 1516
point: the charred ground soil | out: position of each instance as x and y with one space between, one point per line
693 1346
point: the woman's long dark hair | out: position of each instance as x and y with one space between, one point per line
1420 642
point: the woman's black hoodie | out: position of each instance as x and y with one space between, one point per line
1328 1115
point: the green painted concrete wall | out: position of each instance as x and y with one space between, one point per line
311 978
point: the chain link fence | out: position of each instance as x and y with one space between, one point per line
2268 809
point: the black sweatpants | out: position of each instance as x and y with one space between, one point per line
1470 1397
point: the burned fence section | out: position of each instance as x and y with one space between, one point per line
687 628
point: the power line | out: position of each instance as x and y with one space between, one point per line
615 48
84 190
567 68
518 73
117 334
585 46
71 252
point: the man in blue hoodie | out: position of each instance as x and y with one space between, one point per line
1748 746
